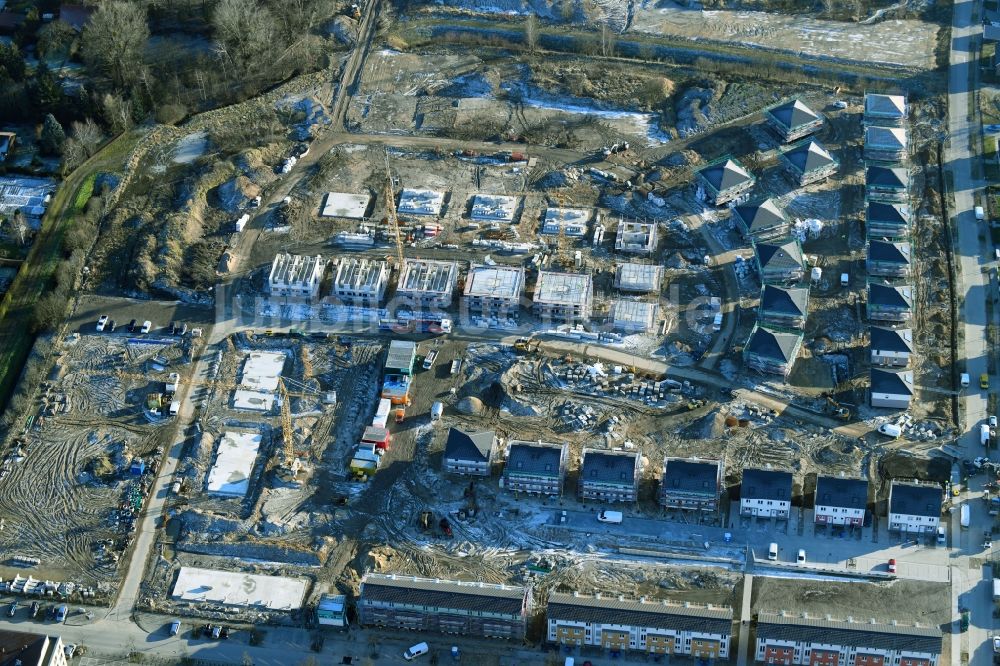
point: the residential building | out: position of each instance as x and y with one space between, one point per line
691 484
331 611
635 238
408 603
886 144
563 296
493 291
840 501
420 202
780 260
885 110
889 184
766 493
762 220
426 283
887 220
20 648
618 625
7 141
785 639
494 208
892 389
634 316
361 282
772 350
793 120
725 180
888 258
809 162
915 506
639 278
609 476
296 276
891 303
891 346
783 307
569 221
536 468
470 453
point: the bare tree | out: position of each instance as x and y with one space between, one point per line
607 41
118 112
20 226
531 33
114 40
246 29
88 134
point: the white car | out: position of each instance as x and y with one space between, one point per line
147 326
993 422
772 551
801 557
70 650
101 323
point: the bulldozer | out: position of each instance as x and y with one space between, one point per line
526 345
838 410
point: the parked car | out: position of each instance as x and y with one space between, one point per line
147 326
892 566
61 611
102 321
987 540
132 325
415 651
175 627
70 650
173 328
772 551
984 381
801 558
12 609
993 421
33 611
112 325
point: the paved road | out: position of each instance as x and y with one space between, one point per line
960 152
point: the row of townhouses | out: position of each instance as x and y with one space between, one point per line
691 484
621 625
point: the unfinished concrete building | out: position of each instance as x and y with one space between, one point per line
725 180
493 291
783 307
361 282
772 350
889 184
635 238
634 316
296 276
569 221
639 278
793 120
563 296
427 283
887 220
420 202
609 476
888 259
809 162
493 208
780 260
889 303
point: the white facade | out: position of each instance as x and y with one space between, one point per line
639 637
898 359
912 523
765 508
839 515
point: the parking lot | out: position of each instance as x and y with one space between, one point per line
124 310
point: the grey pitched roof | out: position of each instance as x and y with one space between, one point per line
534 458
779 255
609 466
808 156
842 492
898 253
17 647
884 294
915 500
893 138
886 212
771 626
475 446
627 612
726 174
880 176
442 593
893 382
785 300
893 105
766 484
891 339
772 343
692 476
793 114
762 215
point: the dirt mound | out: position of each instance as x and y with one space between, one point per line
470 405
710 426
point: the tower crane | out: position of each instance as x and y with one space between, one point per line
390 212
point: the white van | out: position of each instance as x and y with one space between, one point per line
610 517
437 409
965 515
941 536
772 551
415 651
984 434
890 430
964 381
980 213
